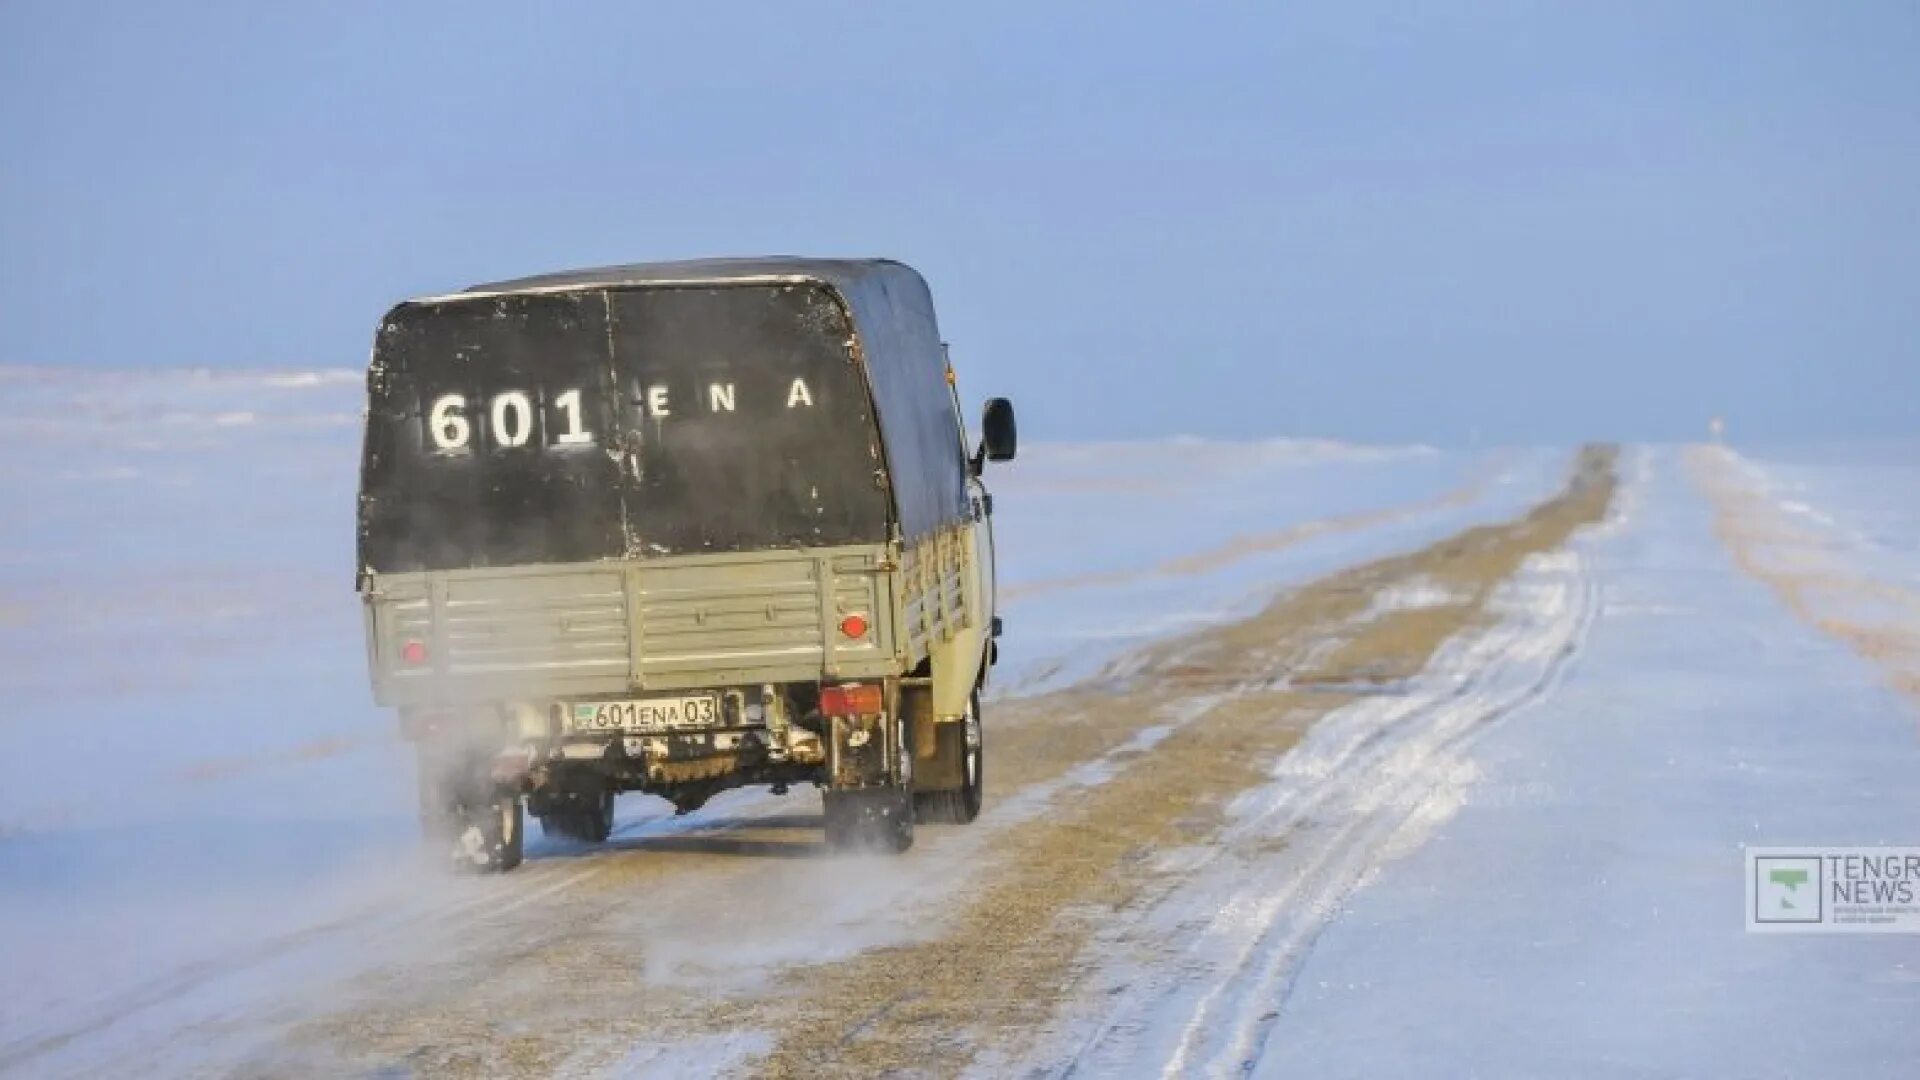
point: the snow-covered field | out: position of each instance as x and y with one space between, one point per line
1527 861
1866 494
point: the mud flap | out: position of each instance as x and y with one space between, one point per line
869 800
877 820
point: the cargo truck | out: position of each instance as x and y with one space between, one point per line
676 528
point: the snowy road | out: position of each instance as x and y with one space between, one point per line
1582 912
240 847
1336 761
1367 782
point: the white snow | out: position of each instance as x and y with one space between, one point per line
1106 546
1531 863
1526 862
1191 982
203 802
1864 497
1581 913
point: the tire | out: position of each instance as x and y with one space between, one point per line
962 806
876 821
585 819
493 836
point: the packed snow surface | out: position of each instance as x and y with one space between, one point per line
199 771
1527 861
1581 913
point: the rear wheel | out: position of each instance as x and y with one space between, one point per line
479 824
492 836
965 739
877 820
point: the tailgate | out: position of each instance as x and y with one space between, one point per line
683 621
765 617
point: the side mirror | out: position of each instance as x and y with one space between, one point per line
999 438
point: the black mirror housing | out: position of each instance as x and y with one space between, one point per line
999 436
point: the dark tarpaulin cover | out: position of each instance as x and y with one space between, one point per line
900 344
718 417
422 508
907 368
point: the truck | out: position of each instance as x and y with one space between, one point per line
676 528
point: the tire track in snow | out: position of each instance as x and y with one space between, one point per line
1253 1000
1365 785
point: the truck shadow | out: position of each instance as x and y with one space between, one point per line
811 847
775 836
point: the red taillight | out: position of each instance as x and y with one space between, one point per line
413 653
854 626
853 699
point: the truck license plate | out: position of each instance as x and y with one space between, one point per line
646 714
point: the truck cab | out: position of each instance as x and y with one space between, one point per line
677 528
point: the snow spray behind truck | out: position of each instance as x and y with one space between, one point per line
677 528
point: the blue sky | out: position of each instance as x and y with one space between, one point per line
1388 222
